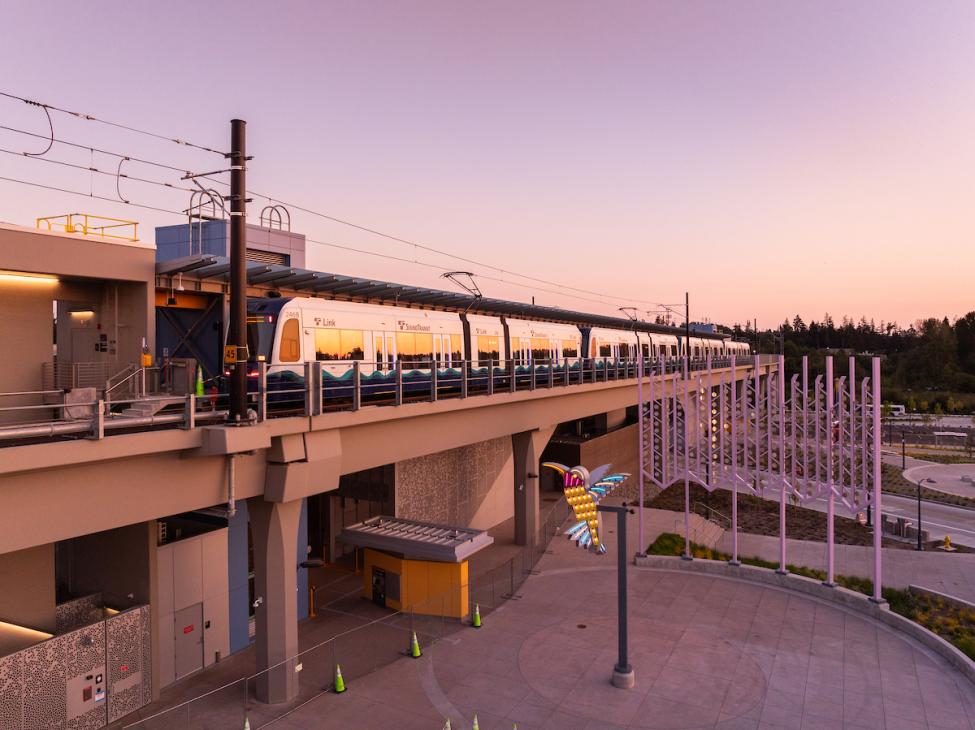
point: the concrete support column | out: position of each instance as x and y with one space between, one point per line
527 447
274 527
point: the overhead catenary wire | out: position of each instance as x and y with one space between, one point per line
563 288
91 118
78 145
181 214
93 169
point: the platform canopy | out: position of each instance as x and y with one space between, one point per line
416 540
293 281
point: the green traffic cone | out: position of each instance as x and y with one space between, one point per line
247 723
446 725
476 623
415 647
475 726
199 381
339 682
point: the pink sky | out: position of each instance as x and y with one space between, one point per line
770 157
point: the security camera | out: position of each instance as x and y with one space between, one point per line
258 601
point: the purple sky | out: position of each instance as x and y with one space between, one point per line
770 157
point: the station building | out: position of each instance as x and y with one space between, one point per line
135 552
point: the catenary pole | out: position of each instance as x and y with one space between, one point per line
238 273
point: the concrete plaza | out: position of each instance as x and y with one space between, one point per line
707 652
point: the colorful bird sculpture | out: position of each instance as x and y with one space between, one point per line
584 491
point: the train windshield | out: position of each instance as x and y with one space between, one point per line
262 321
260 337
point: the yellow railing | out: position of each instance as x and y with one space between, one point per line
91 225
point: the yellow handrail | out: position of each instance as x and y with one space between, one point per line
88 224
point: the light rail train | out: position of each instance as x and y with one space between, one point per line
386 343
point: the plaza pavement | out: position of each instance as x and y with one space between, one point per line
707 652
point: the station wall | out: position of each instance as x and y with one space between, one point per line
471 486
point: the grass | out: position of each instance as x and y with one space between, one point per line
761 516
950 621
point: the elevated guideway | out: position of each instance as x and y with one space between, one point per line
59 489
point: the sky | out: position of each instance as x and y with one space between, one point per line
769 158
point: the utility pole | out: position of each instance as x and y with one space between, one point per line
236 351
687 324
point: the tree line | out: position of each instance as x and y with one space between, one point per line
929 366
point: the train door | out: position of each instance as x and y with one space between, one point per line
390 350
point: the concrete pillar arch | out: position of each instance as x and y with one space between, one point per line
274 528
527 447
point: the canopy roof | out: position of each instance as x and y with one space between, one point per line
303 282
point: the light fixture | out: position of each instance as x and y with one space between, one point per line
27 278
82 313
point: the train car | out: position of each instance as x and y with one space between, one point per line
543 343
662 345
603 344
287 333
542 347
487 348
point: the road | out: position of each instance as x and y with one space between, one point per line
938 519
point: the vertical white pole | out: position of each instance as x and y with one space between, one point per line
641 547
687 459
781 406
831 507
877 513
734 461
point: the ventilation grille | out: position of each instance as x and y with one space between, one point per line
268 257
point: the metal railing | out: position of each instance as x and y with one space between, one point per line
64 375
322 387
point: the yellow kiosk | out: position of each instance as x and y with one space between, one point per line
418 566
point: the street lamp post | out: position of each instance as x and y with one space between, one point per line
623 676
920 546
903 452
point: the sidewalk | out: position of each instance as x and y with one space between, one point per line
948 573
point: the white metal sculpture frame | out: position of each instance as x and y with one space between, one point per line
755 432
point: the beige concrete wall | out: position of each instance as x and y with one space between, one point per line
27 334
27 596
618 448
114 563
75 259
471 486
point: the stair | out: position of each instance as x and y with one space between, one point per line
144 409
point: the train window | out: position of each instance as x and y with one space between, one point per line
456 349
424 349
327 343
406 346
570 348
338 345
289 350
540 349
605 350
487 351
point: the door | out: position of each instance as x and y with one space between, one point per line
379 586
189 640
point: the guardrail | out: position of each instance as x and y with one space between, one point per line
316 388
